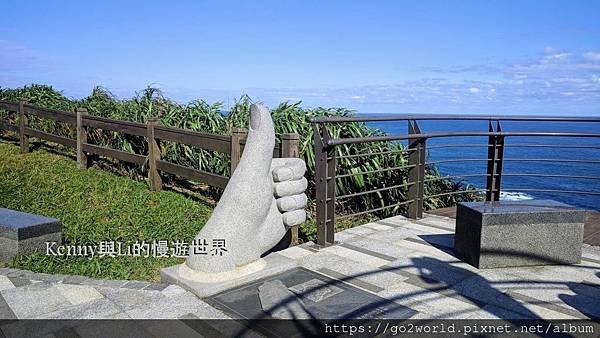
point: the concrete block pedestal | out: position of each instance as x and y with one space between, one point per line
22 233
206 284
518 233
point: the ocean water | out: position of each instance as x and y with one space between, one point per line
519 184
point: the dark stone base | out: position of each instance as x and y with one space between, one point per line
22 233
322 297
518 233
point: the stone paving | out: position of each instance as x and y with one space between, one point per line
409 263
27 295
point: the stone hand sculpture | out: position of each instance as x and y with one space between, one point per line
263 198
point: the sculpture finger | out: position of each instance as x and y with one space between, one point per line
290 188
289 203
292 218
288 169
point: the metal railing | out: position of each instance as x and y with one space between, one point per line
416 151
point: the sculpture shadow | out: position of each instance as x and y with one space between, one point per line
283 244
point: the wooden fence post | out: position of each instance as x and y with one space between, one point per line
289 148
23 139
82 158
289 145
237 134
154 179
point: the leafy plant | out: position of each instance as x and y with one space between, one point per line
368 162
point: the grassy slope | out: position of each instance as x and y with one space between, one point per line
95 205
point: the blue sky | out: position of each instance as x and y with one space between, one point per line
528 57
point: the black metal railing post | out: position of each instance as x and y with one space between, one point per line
494 165
324 185
416 171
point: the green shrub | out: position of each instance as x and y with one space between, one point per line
288 118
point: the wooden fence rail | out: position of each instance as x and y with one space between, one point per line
152 131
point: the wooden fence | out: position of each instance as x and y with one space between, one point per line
153 132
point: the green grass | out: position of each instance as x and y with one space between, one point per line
95 205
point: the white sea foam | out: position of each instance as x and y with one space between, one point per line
514 196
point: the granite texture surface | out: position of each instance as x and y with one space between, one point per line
518 233
274 264
20 225
528 212
264 197
23 233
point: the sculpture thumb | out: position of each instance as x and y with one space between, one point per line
246 201
258 150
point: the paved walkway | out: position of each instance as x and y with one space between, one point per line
406 262
411 262
27 295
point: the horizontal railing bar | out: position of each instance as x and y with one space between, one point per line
552 175
193 133
373 210
547 160
114 153
220 143
459 145
373 171
459 160
508 145
406 117
202 140
454 176
54 114
8 105
276 149
353 140
454 193
374 190
51 137
556 191
376 153
126 127
212 179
